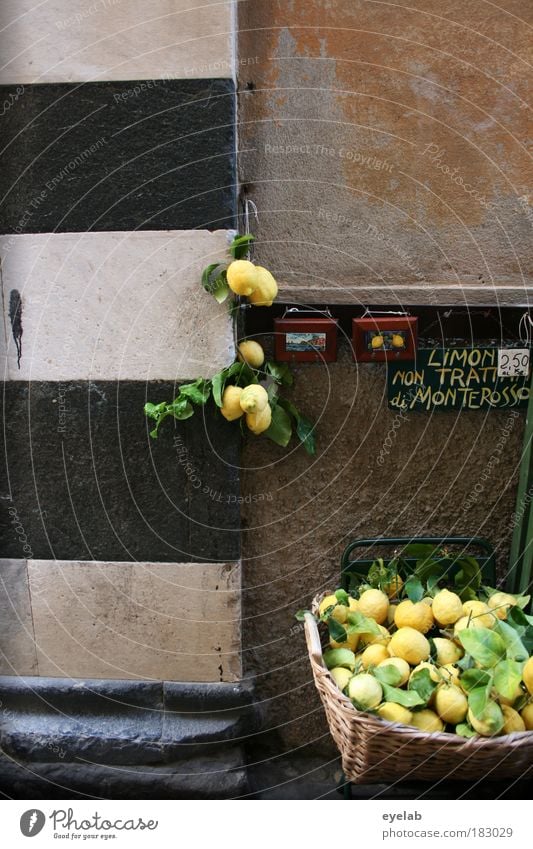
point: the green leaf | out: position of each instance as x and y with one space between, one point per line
280 429
472 679
198 392
387 674
339 657
465 730
414 589
342 597
511 639
507 677
484 645
304 428
300 615
153 411
181 409
336 631
360 624
280 372
209 274
218 382
407 698
422 684
214 281
240 246
522 601
477 701
220 289
468 578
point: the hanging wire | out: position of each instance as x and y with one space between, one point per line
249 204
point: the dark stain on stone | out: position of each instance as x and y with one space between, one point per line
15 317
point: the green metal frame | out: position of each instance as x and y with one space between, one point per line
360 567
521 556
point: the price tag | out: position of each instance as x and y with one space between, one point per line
513 362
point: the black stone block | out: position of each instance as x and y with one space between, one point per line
104 156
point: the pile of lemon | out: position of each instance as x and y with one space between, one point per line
395 671
251 401
252 281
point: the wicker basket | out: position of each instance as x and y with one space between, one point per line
375 751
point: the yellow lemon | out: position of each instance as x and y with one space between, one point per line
427 720
375 605
391 613
500 604
254 398
480 612
427 600
466 622
353 604
512 721
373 655
231 403
242 277
527 716
450 673
527 675
418 616
395 713
339 612
265 290
383 638
451 703
251 352
447 607
260 421
398 341
350 643
409 644
392 589
377 342
401 665
433 671
447 651
365 690
490 723
341 676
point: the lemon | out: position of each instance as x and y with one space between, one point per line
353 604
392 589
450 672
410 615
365 690
527 675
409 644
261 421
350 643
527 716
401 665
512 721
373 655
395 713
447 607
466 622
490 723
447 651
433 671
391 613
231 403
480 612
451 703
341 676
377 342
242 277
427 600
500 604
254 398
375 605
251 352
398 341
383 638
266 288
427 720
339 612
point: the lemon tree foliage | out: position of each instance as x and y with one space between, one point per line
249 389
417 642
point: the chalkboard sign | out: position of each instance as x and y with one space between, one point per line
454 379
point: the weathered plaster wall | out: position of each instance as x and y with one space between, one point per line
410 120
386 150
